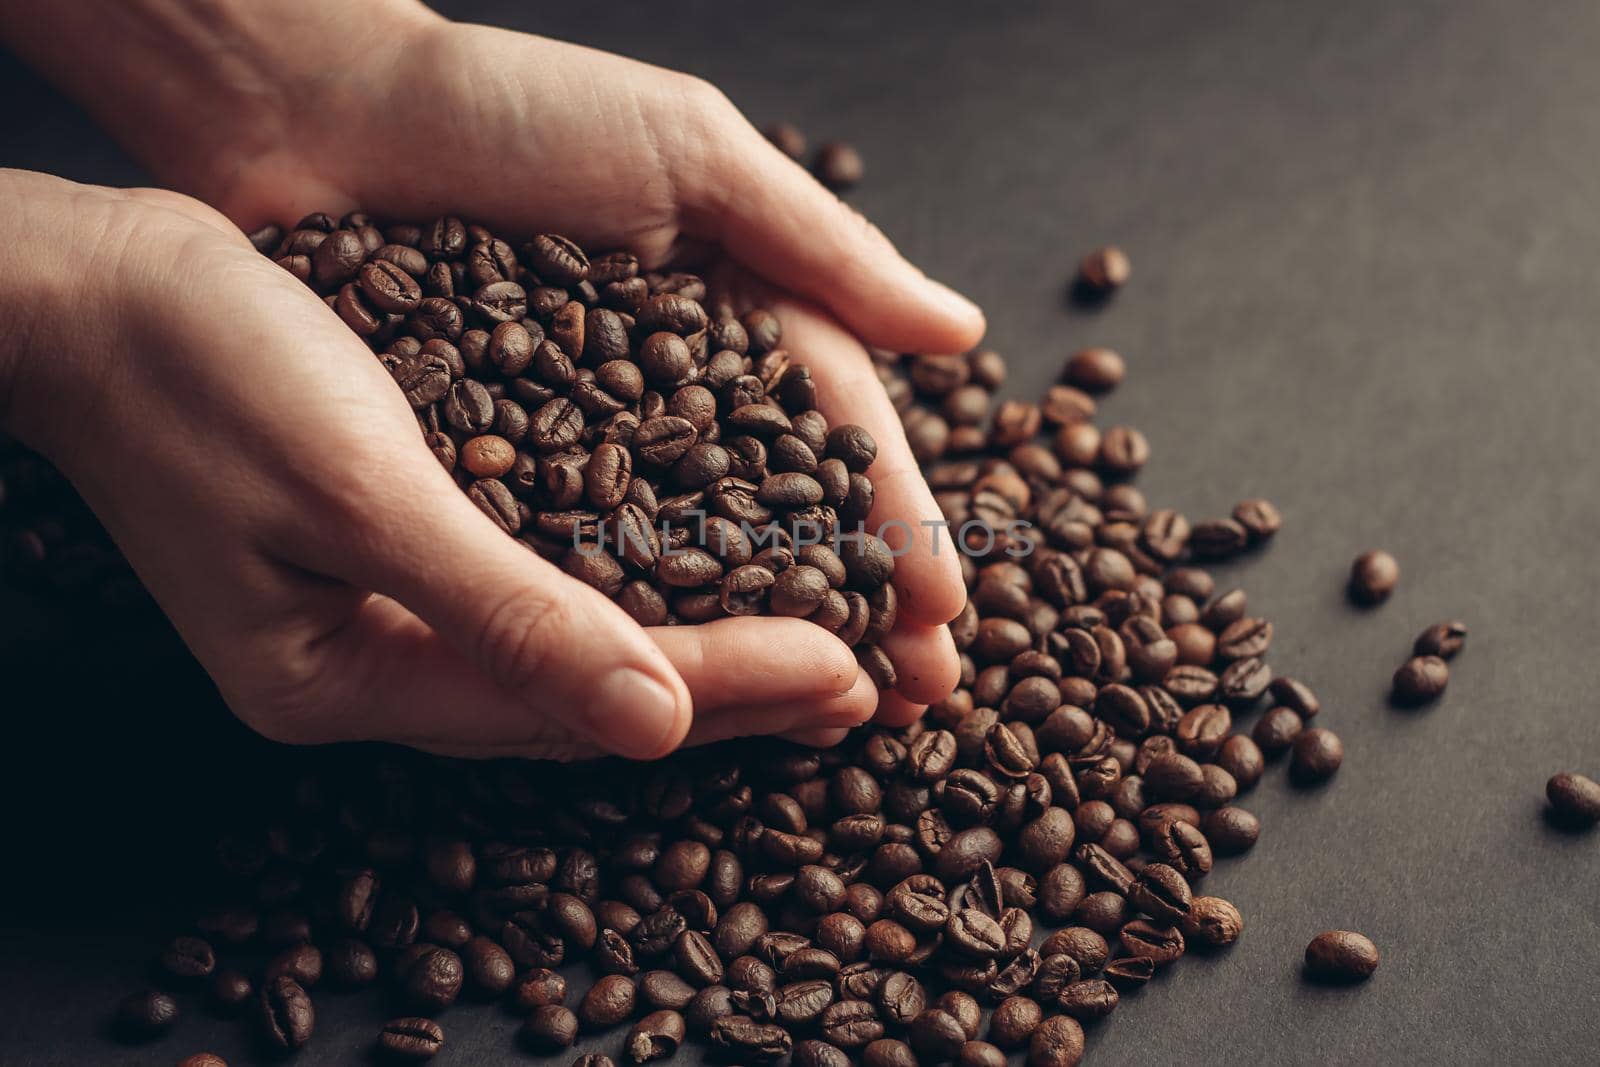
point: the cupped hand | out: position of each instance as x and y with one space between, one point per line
279 501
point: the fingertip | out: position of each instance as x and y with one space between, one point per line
895 710
817 738
927 666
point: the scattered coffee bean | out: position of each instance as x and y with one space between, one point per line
1341 956
787 138
1317 754
1373 577
1442 639
410 1040
1105 268
145 1015
1420 680
1574 799
838 166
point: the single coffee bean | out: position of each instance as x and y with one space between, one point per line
748 1039
1420 680
536 989
1373 576
838 166
145 1015
1212 921
1276 730
1574 799
1442 639
1316 756
656 1036
188 959
1058 1042
1230 830
1089 999
1105 269
287 1017
410 1039
549 1028
1014 1021
203 1059
1341 956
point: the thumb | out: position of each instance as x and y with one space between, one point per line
780 222
549 641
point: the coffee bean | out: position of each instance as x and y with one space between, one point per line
1161 893
1341 956
432 979
979 1054
851 1024
1094 370
188 959
1212 921
536 989
1276 730
786 137
1316 756
1373 576
145 1015
748 1039
1105 268
1574 799
1088 999
1442 639
287 1017
549 1028
1296 696
1058 1042
1420 680
1014 1022
1230 831
203 1059
411 1039
838 166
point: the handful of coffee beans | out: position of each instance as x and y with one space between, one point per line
666 452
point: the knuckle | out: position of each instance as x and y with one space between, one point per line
520 640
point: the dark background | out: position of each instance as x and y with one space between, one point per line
1365 240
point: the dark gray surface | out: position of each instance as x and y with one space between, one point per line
1364 238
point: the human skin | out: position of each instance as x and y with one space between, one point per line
266 480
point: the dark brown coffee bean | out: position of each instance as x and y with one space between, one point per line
1276 730
1058 1042
1373 576
748 1039
536 989
838 166
1420 680
1574 799
1105 269
1230 831
1442 639
1341 956
410 1040
1316 756
549 1029
286 1015
1089 999
145 1015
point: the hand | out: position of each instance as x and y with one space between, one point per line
681 172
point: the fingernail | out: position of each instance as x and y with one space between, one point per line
633 715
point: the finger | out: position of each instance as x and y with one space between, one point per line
556 645
780 222
926 664
817 738
895 710
839 712
927 571
739 662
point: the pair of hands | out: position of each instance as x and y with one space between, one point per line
268 483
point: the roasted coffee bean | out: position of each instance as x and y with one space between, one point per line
1317 754
1014 1021
1373 576
1058 1042
1259 518
1212 921
536 989
1341 956
1130 972
1105 269
1230 831
410 1040
432 979
748 1039
1420 680
286 1015
1089 999
1574 799
838 166
1161 892
1276 730
1442 639
549 1028
188 959
851 1024
936 1035
145 1015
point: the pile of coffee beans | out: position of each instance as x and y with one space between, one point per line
994 877
666 452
